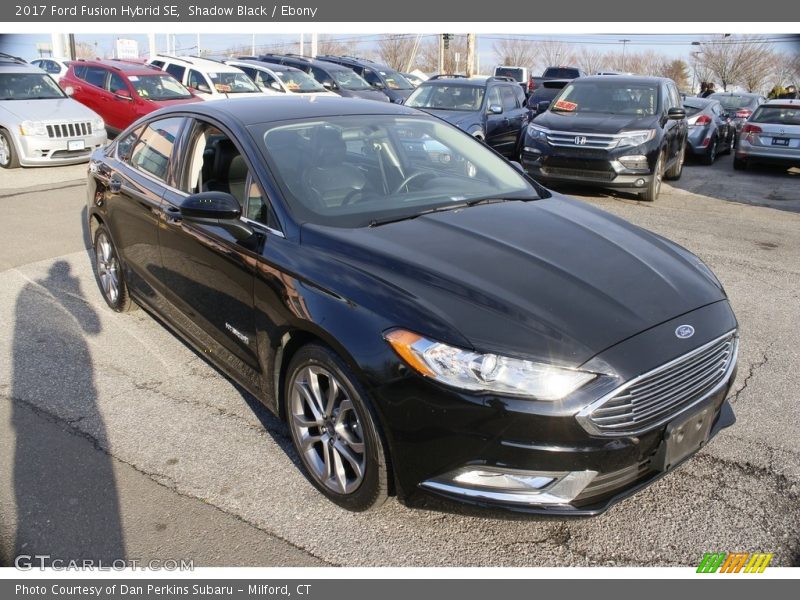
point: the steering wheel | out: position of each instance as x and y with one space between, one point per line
410 178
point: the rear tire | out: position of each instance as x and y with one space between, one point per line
711 154
739 164
730 145
334 430
8 153
654 186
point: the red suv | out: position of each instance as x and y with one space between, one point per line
121 92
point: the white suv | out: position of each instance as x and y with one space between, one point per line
208 79
39 124
272 77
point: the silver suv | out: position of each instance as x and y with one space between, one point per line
39 124
771 135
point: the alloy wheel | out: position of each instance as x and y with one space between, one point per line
107 268
328 430
5 151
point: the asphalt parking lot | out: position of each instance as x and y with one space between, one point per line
118 440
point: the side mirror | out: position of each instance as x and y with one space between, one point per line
328 85
203 88
676 114
542 106
123 95
69 90
378 85
495 109
210 205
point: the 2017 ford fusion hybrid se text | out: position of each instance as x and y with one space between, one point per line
424 316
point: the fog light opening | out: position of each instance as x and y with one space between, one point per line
639 182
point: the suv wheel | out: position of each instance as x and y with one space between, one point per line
654 187
108 272
676 170
8 154
334 431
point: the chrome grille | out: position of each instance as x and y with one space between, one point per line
656 397
64 130
574 139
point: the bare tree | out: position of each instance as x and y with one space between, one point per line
552 53
86 50
328 44
731 58
395 50
590 60
514 51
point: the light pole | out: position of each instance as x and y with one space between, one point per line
624 43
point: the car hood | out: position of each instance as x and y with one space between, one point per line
57 109
174 101
594 122
554 279
369 95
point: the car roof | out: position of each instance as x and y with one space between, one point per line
314 62
250 111
622 79
465 81
747 94
129 68
260 64
787 102
198 62
354 60
697 101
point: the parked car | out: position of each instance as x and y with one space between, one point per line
771 135
539 100
209 79
280 78
55 67
711 131
40 126
555 73
414 79
420 325
739 106
489 109
341 80
121 92
518 74
617 132
381 77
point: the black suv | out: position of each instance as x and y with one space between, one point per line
622 133
336 78
490 109
382 77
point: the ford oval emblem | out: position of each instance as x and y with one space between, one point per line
684 331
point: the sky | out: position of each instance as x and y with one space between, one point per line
672 46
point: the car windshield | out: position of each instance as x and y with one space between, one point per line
360 171
233 83
608 97
350 80
780 115
447 97
28 86
734 102
158 87
300 82
395 81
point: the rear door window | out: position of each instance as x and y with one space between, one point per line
509 98
96 76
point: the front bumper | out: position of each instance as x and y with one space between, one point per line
594 168
42 151
436 431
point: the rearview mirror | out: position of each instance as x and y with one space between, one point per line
69 90
276 86
378 85
676 114
123 94
496 109
542 106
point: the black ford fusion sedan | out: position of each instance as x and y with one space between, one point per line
425 317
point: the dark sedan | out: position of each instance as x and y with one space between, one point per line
424 316
711 131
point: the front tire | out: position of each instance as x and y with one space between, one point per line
676 170
654 186
108 273
8 153
334 431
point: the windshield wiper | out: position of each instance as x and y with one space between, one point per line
445 208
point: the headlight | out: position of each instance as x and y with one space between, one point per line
474 371
538 133
98 125
635 138
32 128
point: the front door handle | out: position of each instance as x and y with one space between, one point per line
172 214
114 185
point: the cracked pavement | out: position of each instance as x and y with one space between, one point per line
118 440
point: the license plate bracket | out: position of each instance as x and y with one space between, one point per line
683 437
778 141
76 145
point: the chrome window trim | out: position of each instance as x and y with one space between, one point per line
584 416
